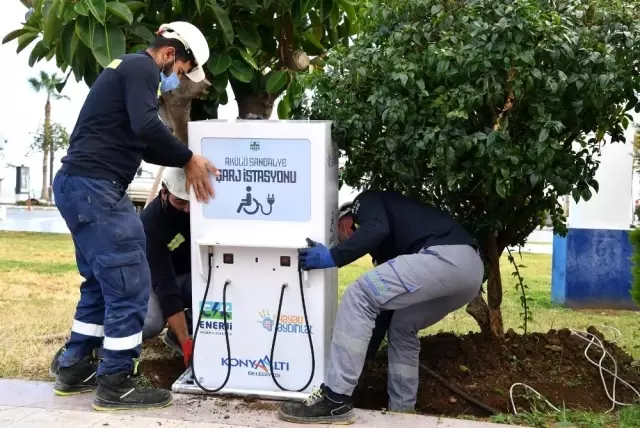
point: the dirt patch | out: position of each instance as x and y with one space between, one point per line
260 405
552 363
163 372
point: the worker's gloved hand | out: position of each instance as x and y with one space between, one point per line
317 256
187 351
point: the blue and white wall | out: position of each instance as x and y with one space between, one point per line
591 266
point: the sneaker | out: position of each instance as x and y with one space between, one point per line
128 391
79 378
171 341
321 407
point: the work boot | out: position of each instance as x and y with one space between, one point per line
171 341
79 378
55 362
54 367
128 391
323 406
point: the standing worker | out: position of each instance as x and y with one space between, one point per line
117 128
166 226
426 267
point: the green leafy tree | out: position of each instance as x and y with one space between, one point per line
47 83
257 45
49 138
490 110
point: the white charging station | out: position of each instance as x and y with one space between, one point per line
278 186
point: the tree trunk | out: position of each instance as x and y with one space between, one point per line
175 107
251 104
489 316
44 193
494 288
479 310
52 155
175 112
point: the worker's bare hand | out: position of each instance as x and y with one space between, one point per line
197 172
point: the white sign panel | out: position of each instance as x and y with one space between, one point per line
260 179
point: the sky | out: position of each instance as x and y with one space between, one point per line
22 110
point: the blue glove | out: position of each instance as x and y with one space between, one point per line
317 256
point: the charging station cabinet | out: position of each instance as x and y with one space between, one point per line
278 185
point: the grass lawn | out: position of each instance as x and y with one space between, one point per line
39 290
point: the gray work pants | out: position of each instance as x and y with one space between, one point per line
422 288
155 320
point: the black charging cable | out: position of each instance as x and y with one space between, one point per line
226 329
275 335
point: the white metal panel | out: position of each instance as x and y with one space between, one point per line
256 275
612 206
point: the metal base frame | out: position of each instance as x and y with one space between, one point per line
186 385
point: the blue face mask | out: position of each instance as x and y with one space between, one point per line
169 83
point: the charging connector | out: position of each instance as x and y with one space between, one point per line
275 335
226 327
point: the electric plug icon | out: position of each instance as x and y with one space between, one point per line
271 199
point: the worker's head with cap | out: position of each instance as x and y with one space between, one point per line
346 225
175 198
180 49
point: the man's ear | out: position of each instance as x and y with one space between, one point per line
165 54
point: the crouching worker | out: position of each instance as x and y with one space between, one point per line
426 267
166 225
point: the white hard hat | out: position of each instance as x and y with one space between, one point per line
345 209
193 41
176 182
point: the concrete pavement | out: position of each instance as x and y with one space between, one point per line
33 404
19 219
534 248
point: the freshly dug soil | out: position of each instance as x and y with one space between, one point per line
553 363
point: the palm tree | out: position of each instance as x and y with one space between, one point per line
636 149
47 83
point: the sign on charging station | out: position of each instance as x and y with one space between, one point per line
278 185
260 179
